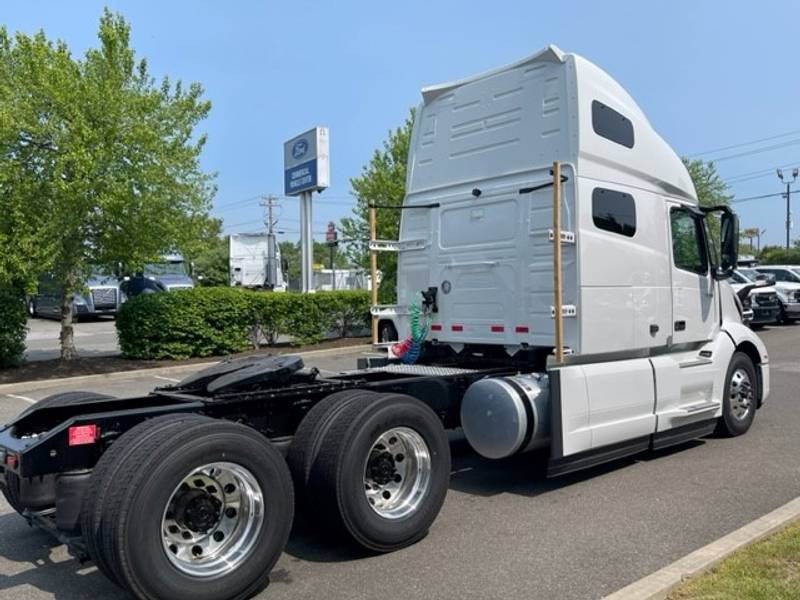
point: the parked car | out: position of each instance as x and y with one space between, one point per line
787 285
102 297
760 302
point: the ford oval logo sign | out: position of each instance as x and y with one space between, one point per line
299 149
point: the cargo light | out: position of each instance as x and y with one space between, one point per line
82 435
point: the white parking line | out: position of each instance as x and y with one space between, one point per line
172 379
24 398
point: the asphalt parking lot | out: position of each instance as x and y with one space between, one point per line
505 531
92 338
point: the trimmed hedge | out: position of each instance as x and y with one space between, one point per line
218 321
12 326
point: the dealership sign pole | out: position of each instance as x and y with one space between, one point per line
306 169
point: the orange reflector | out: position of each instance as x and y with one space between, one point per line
82 435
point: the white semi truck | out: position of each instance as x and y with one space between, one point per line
558 290
254 261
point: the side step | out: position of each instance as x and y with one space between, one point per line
700 407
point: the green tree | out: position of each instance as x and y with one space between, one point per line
290 256
98 161
210 260
710 187
778 255
382 181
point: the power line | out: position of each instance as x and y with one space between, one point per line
742 144
747 199
757 174
757 150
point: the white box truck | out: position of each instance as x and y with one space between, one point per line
189 492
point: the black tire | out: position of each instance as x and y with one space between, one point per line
11 489
784 318
310 434
337 477
736 420
387 332
133 508
105 475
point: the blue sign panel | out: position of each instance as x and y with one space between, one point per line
302 177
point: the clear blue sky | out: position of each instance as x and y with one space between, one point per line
708 75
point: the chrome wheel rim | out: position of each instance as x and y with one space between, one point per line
740 394
397 473
213 519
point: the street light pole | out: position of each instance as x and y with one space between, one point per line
788 202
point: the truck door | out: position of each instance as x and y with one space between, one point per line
695 315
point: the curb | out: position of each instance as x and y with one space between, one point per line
658 585
44 384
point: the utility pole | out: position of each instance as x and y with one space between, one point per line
271 270
788 202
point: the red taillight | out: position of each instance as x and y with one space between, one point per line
82 435
498 329
11 461
457 327
436 327
521 329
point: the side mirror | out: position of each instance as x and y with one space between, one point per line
729 243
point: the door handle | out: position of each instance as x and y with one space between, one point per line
653 329
680 325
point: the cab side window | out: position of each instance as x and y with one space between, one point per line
688 247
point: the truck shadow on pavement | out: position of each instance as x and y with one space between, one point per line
34 558
523 474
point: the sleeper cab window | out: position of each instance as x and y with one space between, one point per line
687 242
614 211
611 125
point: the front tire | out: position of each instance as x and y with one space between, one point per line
382 471
741 397
199 513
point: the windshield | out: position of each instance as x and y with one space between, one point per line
170 268
796 272
738 277
751 274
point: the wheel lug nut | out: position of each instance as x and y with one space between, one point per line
230 512
197 550
219 536
399 458
392 440
230 488
386 495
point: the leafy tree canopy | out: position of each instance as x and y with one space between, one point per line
382 181
99 163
